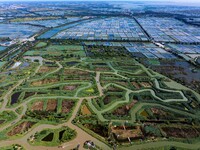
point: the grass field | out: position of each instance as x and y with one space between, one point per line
154 62
2 63
41 44
64 47
56 50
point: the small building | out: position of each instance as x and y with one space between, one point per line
89 144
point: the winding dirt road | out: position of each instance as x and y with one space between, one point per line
82 136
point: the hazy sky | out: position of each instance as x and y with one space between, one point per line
177 1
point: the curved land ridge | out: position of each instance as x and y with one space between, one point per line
101 86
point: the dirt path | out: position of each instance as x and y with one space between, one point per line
128 91
183 99
7 95
80 89
82 136
97 78
52 72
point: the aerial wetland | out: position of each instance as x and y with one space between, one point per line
99 76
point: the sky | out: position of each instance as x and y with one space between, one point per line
176 1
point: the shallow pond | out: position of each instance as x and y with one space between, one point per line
48 138
14 97
2 48
24 65
61 134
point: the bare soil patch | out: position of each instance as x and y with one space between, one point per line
136 85
123 133
70 87
85 110
181 132
146 84
67 105
77 72
51 105
37 106
44 81
102 69
19 129
124 110
45 69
